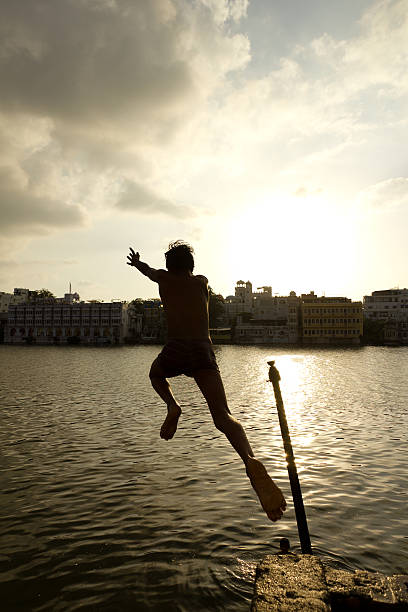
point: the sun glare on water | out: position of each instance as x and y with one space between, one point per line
293 370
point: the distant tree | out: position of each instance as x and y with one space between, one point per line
138 305
41 294
215 308
373 331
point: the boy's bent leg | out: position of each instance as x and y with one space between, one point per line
270 496
162 388
211 386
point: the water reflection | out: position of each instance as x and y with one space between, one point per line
98 511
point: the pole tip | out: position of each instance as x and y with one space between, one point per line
274 375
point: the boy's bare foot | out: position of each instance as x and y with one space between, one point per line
269 494
169 427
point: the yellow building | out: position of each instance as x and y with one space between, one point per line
330 320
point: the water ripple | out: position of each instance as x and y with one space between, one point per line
99 513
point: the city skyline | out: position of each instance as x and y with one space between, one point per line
255 289
271 136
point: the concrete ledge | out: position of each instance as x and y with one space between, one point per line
301 583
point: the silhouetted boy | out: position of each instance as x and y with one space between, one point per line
189 351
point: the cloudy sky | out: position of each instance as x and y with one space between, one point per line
271 134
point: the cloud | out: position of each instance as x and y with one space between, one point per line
23 211
115 67
106 104
138 198
16 265
224 10
97 96
389 194
375 58
319 115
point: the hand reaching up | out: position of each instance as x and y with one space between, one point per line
133 258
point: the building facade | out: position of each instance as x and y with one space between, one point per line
278 311
66 321
389 306
239 303
17 297
330 320
256 331
261 318
154 327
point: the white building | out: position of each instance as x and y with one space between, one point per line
391 307
19 296
387 304
5 300
261 317
66 321
240 302
277 310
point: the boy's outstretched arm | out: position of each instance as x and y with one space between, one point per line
134 260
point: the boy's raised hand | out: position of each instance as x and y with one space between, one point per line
132 257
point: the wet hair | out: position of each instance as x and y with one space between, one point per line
179 257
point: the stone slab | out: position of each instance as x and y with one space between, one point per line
399 587
301 583
290 583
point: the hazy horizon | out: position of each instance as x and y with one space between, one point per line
231 293
271 136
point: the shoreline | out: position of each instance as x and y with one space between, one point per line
251 344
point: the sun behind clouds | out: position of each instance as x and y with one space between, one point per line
292 243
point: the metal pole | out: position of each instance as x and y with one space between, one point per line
301 520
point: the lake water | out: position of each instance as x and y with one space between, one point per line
99 513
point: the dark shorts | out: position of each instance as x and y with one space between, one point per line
187 357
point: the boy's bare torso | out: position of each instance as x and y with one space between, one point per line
185 300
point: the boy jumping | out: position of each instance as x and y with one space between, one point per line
189 351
